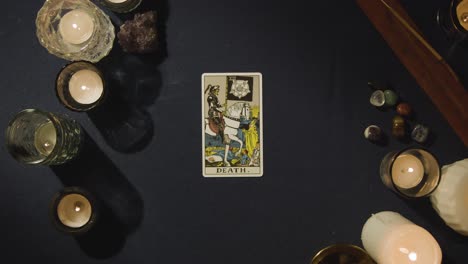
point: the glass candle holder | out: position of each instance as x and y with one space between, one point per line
80 86
74 30
38 137
74 211
342 254
412 173
390 238
453 19
121 6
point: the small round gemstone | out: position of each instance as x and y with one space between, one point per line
420 133
398 132
404 109
398 121
373 133
391 98
377 98
398 127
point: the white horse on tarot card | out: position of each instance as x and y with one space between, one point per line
232 118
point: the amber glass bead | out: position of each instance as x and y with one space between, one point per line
398 127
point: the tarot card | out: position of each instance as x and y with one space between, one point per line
232 129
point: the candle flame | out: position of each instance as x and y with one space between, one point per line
78 206
412 256
464 17
410 170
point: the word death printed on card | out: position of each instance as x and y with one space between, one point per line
232 125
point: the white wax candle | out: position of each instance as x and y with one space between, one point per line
45 138
407 171
76 27
117 1
390 238
450 199
74 210
86 86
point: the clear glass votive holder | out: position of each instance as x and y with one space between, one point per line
342 254
38 137
80 86
75 30
121 6
74 211
411 173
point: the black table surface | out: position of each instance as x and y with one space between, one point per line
321 178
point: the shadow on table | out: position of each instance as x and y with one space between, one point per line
133 83
424 208
121 206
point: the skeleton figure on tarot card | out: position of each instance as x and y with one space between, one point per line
215 114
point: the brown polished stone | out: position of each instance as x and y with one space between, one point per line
404 109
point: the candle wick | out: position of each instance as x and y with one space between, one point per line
464 17
77 206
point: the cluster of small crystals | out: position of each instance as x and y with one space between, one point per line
140 34
93 50
388 98
70 138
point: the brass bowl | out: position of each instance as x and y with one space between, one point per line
342 254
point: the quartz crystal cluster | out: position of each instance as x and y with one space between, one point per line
139 35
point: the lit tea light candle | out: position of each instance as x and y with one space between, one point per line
80 86
76 27
121 6
45 138
410 172
86 87
462 14
32 137
390 238
407 171
74 210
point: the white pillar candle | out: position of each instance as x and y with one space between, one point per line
450 199
389 238
45 138
407 171
76 27
74 210
86 86
117 1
